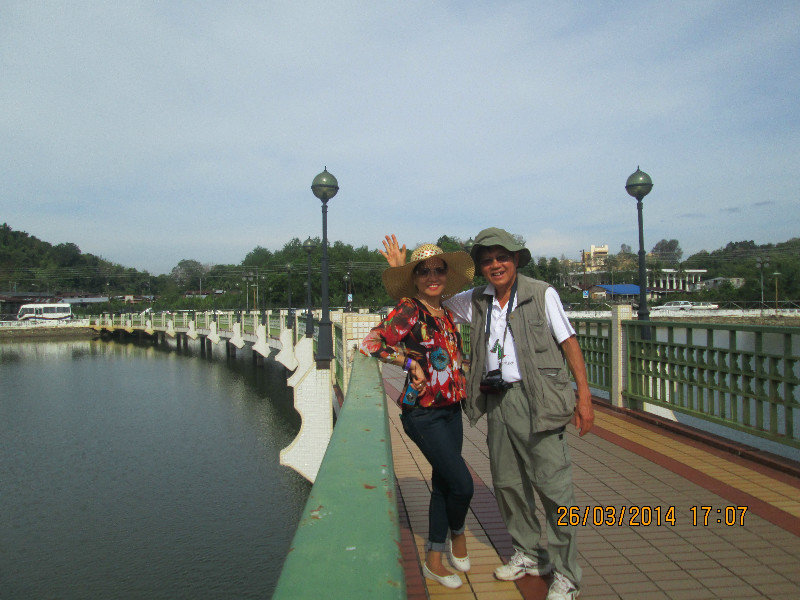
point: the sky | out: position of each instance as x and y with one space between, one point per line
152 132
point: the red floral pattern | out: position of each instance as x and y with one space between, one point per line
434 342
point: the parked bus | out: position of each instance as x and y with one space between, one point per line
48 312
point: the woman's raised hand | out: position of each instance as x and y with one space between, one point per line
393 253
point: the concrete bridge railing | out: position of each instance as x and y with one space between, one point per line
348 541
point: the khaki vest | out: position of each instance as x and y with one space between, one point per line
545 377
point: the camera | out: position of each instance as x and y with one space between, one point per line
493 383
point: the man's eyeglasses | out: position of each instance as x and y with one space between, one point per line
501 258
425 271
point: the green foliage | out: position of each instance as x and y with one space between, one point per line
264 277
667 251
29 264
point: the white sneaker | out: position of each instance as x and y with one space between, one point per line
561 588
520 565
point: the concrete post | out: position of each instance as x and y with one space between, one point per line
619 313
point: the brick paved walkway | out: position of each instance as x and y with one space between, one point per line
627 463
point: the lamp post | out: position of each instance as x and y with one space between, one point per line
761 264
325 187
248 277
289 288
308 246
348 295
639 185
776 274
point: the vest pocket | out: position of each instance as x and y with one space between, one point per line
558 394
539 335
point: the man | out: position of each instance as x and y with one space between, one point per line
520 338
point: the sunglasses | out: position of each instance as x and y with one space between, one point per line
425 271
501 258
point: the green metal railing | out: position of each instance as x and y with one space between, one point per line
745 377
347 543
274 325
593 338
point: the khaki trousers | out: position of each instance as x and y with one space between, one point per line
522 461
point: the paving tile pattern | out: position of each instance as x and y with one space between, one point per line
626 465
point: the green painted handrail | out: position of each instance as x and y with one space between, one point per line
593 337
347 544
744 377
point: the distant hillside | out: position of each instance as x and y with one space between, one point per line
738 259
26 260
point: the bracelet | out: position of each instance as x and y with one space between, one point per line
407 365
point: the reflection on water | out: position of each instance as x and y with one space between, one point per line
139 472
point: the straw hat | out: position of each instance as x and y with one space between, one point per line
399 281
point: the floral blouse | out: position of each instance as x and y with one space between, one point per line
434 342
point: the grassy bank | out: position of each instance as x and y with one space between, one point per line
48 333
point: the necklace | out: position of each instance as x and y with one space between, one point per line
430 307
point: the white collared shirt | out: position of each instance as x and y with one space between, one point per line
557 321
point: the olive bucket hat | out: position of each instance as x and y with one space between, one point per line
494 236
399 281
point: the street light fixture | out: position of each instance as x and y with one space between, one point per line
308 246
248 278
348 295
289 286
325 187
761 264
639 185
776 274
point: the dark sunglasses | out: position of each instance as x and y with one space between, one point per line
425 271
501 258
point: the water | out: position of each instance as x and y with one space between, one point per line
138 472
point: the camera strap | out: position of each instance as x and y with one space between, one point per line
489 311
508 310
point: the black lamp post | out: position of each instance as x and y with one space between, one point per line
308 246
348 295
761 264
325 187
639 185
289 288
248 277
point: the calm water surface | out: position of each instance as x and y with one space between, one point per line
137 472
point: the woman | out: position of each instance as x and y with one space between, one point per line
419 335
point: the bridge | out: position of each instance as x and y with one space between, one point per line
666 509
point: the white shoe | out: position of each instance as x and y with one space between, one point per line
459 564
450 581
562 588
520 565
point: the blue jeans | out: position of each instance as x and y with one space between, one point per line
439 434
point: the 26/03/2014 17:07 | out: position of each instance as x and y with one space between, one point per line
646 515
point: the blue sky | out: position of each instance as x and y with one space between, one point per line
150 132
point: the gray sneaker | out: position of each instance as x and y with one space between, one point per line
520 565
562 588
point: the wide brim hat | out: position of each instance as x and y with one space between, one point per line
399 281
494 236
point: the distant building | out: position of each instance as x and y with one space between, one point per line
618 292
595 258
717 282
674 280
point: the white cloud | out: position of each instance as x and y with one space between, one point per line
171 124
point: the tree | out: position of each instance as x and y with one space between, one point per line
66 255
667 251
257 257
188 273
